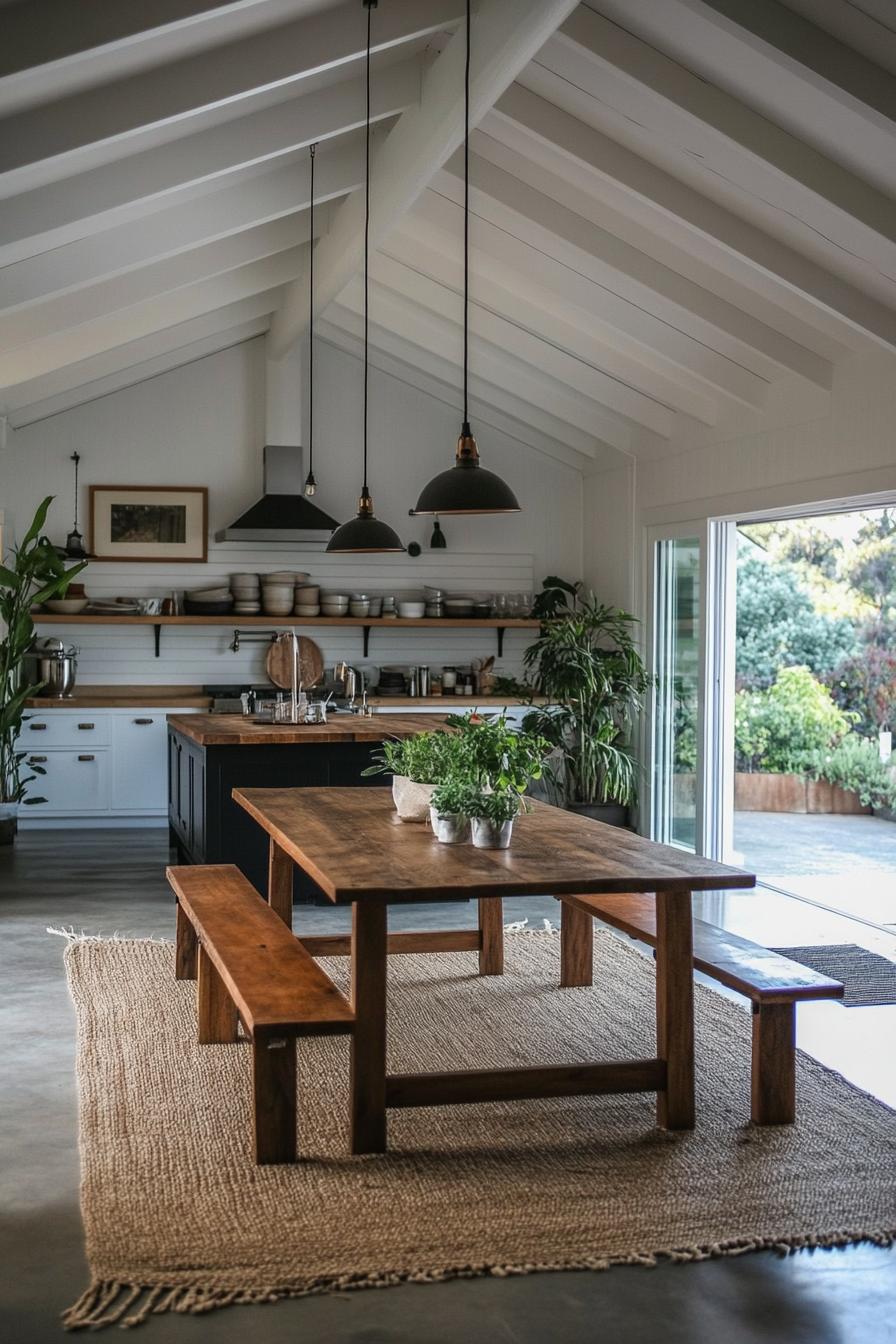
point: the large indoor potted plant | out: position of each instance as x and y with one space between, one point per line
35 573
585 662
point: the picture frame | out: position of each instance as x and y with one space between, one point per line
161 523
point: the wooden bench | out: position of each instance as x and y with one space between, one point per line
250 967
773 983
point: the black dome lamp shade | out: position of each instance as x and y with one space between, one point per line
365 532
467 487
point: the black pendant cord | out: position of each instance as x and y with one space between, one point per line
76 458
466 425
311 151
365 491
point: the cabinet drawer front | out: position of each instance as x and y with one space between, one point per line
75 781
85 728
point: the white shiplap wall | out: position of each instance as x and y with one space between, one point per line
201 655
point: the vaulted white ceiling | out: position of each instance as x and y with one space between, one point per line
677 207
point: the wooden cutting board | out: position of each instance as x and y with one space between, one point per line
279 662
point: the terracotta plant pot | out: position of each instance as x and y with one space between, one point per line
490 834
411 799
451 829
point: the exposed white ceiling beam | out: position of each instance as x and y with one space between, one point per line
140 372
866 28
99 125
496 317
529 420
76 307
680 120
699 226
178 228
52 47
507 35
791 71
114 193
117 330
517 366
596 313
132 355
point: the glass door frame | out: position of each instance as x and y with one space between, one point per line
716 541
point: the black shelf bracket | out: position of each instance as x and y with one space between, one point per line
500 634
157 632
366 639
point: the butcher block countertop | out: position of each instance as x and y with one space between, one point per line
233 730
126 697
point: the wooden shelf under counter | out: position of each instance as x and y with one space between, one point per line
366 623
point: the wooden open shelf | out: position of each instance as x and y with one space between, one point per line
366 623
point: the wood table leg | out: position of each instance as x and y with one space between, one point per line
368 1050
280 868
675 1007
274 1100
184 948
773 1086
576 946
491 935
217 1015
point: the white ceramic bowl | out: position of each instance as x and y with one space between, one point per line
412 610
245 580
307 592
359 608
67 606
307 611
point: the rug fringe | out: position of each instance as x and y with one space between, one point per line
112 1302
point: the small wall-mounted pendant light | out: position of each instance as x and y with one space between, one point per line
437 541
74 542
366 532
467 487
310 483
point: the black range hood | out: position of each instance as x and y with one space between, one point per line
283 513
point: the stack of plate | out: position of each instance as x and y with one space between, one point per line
392 681
246 589
114 606
208 602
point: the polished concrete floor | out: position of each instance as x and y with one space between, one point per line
103 882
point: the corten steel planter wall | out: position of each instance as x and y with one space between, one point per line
792 793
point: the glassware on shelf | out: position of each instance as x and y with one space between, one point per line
499 605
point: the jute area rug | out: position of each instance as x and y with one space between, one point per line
177 1217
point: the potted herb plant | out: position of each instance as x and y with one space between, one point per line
417 764
492 816
449 811
586 663
35 573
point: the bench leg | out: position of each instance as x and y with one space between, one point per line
368 1053
280 868
491 935
217 1015
274 1100
773 1085
184 948
675 1007
576 947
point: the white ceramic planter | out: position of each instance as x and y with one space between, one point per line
491 835
411 799
453 829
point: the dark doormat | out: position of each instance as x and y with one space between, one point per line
867 979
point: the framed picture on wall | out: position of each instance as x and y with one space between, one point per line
149 522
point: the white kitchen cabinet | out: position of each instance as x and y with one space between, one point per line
103 766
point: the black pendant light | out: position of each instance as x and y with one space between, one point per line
467 487
310 483
74 542
365 532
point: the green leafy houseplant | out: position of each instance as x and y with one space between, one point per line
586 663
495 756
34 574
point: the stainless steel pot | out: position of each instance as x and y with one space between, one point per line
57 668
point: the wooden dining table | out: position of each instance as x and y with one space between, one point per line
352 843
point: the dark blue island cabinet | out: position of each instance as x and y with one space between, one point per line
210 755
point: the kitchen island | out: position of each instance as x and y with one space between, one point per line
209 755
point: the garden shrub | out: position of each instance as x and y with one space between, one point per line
782 729
855 764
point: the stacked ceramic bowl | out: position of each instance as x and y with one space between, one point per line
307 600
359 604
246 590
334 604
208 602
